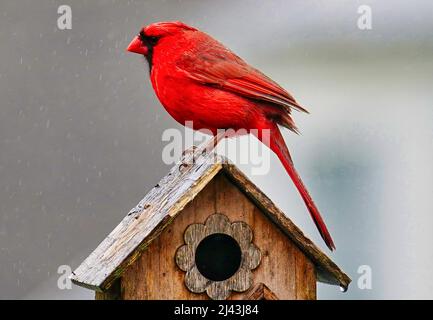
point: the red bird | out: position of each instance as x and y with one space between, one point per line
197 79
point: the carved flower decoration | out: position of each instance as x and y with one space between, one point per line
218 257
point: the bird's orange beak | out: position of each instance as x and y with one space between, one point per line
137 46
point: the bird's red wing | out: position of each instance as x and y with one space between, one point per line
218 66
258 86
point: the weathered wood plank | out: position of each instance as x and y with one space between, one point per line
327 271
146 221
305 277
276 249
155 275
113 293
260 292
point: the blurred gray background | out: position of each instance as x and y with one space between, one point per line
80 130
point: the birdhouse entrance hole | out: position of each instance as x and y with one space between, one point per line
218 257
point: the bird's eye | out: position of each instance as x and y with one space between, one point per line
153 40
142 35
149 40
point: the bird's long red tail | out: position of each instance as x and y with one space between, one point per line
278 146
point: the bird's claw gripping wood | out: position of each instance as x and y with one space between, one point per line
210 145
205 148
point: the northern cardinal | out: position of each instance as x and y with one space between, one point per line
199 80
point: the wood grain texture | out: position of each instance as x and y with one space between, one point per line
113 293
305 277
155 274
278 265
260 292
146 221
284 268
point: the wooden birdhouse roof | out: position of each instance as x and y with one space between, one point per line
161 205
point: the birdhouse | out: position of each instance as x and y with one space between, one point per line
205 231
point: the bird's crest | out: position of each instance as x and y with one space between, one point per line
165 28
